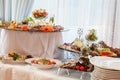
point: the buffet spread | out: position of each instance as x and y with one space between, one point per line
87 49
93 56
27 72
39 21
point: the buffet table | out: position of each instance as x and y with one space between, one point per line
42 44
28 72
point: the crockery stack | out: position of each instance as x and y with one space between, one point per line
105 74
105 68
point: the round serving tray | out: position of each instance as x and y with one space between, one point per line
18 29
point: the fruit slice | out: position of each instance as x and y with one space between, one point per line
106 53
24 27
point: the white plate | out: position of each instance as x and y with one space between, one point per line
106 62
42 66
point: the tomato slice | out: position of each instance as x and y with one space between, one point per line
32 61
53 62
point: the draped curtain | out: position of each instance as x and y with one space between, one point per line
102 15
116 33
14 9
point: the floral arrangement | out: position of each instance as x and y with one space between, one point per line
40 13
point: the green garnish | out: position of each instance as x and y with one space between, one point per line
91 36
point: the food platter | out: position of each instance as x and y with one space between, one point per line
18 29
79 64
14 58
9 60
43 66
106 62
69 49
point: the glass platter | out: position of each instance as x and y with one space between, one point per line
18 29
71 50
75 73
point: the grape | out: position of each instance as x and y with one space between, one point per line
29 56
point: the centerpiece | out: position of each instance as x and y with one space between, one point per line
91 36
39 13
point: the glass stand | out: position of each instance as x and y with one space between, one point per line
83 75
66 71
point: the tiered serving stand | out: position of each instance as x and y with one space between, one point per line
72 54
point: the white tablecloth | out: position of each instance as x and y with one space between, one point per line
33 43
27 72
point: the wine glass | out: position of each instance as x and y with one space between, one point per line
79 32
52 19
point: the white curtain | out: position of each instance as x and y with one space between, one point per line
21 9
15 9
5 10
87 14
116 36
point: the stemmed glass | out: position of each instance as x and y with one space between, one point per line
52 19
79 32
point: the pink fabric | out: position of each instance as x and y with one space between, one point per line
5 73
33 43
27 72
